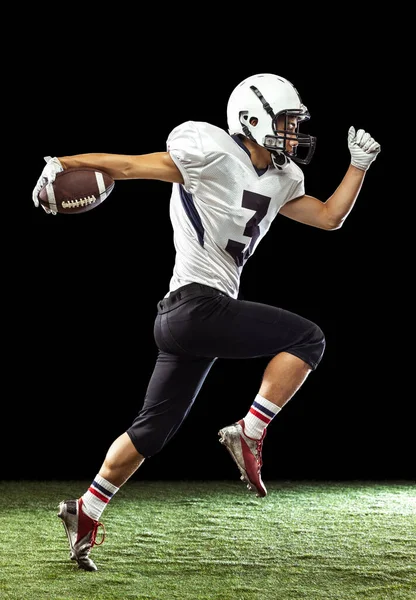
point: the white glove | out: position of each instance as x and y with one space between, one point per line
363 148
53 166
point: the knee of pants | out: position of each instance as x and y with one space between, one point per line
150 436
315 344
309 346
146 446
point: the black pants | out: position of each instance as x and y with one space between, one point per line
196 325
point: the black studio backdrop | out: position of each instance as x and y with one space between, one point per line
95 280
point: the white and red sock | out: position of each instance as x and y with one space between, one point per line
261 413
97 497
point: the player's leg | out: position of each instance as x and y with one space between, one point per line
172 389
283 376
121 461
296 345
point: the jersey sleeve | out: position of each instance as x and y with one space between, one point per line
184 145
297 187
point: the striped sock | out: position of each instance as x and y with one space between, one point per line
261 412
97 497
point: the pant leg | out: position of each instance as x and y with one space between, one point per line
173 387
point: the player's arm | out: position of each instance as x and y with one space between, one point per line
332 213
157 165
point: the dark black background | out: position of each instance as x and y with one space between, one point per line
90 283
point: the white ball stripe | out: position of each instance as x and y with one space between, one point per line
100 183
51 197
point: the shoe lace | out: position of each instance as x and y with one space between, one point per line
96 525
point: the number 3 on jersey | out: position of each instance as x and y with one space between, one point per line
260 205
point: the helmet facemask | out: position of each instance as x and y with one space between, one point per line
303 151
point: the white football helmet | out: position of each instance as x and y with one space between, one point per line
253 110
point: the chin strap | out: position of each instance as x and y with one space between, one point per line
279 160
247 132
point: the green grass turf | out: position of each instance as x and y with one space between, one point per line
216 541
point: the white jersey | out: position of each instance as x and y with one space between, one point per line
224 207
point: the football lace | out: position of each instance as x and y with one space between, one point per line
79 202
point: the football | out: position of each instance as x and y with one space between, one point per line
76 190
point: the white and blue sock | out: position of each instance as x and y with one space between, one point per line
261 413
97 497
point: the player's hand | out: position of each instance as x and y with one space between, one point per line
363 148
53 166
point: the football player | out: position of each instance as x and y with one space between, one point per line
227 188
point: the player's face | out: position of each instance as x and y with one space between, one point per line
285 126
